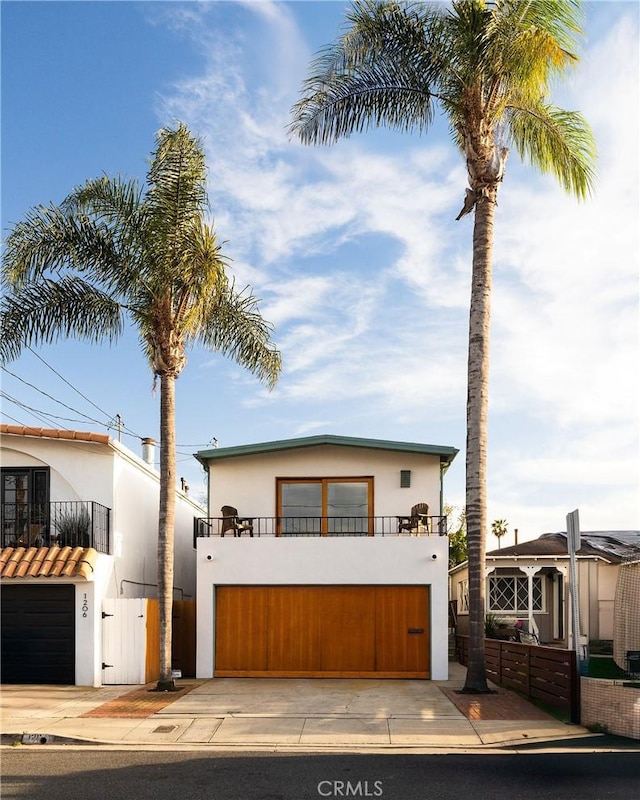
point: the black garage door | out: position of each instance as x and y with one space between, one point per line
38 634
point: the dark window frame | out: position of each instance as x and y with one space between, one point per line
30 510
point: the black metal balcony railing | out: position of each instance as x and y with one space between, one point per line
81 523
318 526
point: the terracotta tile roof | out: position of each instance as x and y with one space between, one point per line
47 562
54 433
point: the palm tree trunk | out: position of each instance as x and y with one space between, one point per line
476 455
166 525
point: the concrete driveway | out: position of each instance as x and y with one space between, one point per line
249 714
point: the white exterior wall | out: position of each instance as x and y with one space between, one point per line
248 482
116 478
184 577
322 560
77 470
134 525
89 596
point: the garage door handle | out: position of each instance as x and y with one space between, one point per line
415 630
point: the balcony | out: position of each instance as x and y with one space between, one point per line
82 523
319 526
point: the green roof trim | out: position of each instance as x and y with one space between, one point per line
446 454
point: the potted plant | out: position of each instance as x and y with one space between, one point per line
73 528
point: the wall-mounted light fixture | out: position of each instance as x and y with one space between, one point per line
405 478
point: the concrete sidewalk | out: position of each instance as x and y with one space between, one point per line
280 715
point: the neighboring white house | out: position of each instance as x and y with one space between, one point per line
330 574
530 581
79 531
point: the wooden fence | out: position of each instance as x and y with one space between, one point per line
184 637
183 651
547 674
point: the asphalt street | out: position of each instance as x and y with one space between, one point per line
85 774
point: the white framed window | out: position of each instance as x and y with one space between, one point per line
463 597
510 593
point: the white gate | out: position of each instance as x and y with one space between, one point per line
124 640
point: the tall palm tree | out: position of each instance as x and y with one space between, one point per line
112 251
487 66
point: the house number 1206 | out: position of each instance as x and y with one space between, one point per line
85 606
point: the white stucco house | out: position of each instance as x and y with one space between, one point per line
323 556
79 540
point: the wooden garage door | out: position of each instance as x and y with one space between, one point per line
38 634
322 631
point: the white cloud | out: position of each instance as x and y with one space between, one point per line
366 275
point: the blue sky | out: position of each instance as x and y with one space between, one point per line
353 250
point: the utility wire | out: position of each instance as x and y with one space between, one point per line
75 410
110 417
8 416
62 378
46 418
108 425
39 415
38 410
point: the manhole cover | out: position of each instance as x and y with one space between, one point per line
165 728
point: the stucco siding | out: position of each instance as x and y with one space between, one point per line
248 482
323 561
78 470
110 474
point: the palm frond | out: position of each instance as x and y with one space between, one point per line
561 20
382 71
50 240
112 201
117 209
528 43
203 275
46 310
557 142
233 326
177 195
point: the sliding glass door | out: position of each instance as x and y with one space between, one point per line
325 506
